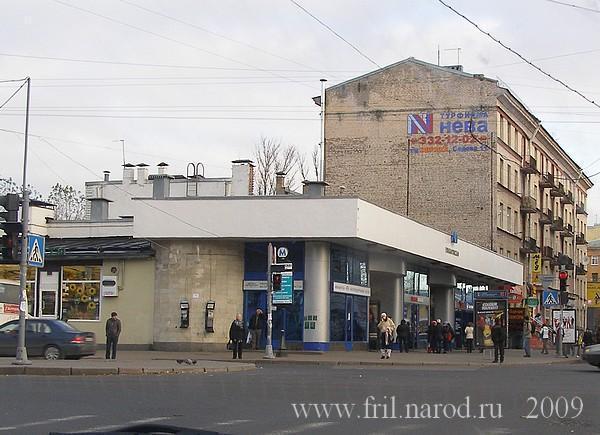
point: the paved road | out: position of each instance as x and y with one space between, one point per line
259 402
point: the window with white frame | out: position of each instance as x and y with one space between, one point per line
81 292
594 260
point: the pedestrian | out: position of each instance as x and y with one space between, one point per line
237 335
545 334
499 339
403 333
469 336
588 338
113 330
438 336
386 329
431 337
447 336
528 329
256 325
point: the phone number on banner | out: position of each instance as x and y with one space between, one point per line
450 139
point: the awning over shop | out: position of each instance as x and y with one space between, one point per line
97 248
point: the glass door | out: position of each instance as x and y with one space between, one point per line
48 294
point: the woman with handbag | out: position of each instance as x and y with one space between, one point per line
237 335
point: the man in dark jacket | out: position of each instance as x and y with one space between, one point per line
438 336
113 330
237 335
403 334
499 339
257 322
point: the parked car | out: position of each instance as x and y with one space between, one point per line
591 355
52 339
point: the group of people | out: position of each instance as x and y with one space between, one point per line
440 337
238 334
390 333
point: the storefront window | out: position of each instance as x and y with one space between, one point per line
337 321
416 283
11 272
359 319
349 266
409 282
81 292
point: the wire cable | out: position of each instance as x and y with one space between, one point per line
589 100
218 35
236 118
574 6
13 94
336 34
167 38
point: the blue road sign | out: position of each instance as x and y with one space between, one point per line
285 295
36 250
550 298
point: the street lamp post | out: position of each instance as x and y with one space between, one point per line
21 356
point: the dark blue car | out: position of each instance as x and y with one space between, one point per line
52 339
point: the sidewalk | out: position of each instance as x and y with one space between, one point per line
140 363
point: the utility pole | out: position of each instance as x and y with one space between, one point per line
269 347
21 356
322 129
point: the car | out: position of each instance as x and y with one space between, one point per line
591 355
48 338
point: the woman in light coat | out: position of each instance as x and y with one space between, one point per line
386 329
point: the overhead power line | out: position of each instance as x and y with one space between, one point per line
237 118
176 41
218 35
13 94
574 6
354 47
520 56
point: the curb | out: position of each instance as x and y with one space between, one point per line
106 371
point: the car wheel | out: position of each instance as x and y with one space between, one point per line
52 353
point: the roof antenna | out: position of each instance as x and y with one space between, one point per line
122 146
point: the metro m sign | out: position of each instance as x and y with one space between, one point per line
420 123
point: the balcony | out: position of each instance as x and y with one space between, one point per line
530 166
529 246
557 191
545 217
580 269
580 239
528 204
567 199
568 231
580 208
565 260
555 261
557 224
547 181
547 252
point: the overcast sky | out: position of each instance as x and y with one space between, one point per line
222 73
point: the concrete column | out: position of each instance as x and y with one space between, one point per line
316 294
398 300
443 299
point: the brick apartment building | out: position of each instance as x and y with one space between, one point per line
459 152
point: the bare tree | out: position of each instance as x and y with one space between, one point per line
316 160
69 204
266 155
8 185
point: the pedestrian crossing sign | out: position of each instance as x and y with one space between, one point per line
36 245
550 298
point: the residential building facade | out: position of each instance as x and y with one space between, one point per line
459 152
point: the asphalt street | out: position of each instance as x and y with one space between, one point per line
260 402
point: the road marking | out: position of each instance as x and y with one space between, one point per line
49 421
119 426
302 428
232 422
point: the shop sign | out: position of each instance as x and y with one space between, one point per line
422 300
593 294
569 324
532 302
286 294
350 289
486 314
259 285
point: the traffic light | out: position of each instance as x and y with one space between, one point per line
10 225
276 282
564 296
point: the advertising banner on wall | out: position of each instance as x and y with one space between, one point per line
568 323
593 294
486 313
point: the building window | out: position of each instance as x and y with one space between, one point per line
81 292
349 266
501 215
11 272
508 173
516 181
516 222
509 219
594 277
508 254
501 251
594 260
501 171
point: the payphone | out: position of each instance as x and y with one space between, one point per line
210 316
184 308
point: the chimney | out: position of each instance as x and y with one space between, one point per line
162 168
161 186
99 209
106 175
128 173
142 173
280 183
314 188
242 178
